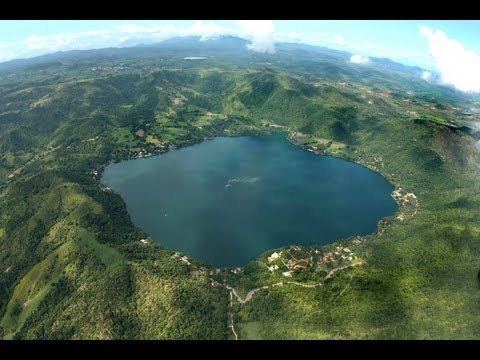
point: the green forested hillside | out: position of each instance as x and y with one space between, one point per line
72 264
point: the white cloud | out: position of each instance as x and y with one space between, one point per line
39 44
150 33
5 52
458 66
260 33
155 32
339 40
359 59
159 32
205 30
426 75
141 29
292 37
80 40
6 55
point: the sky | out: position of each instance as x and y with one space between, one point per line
452 48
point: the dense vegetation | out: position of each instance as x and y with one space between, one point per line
72 264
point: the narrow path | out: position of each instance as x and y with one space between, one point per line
249 294
344 289
231 317
305 285
233 292
333 271
248 297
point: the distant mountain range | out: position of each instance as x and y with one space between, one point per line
233 43
226 44
220 43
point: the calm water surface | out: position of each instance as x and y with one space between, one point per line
227 200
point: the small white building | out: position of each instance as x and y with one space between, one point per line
287 273
274 257
273 268
185 260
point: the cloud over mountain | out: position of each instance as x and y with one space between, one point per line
359 59
458 66
259 33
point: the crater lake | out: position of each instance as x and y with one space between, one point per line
227 200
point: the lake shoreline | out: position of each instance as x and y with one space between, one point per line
381 225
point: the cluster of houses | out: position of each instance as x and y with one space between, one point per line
377 161
182 258
358 240
403 197
195 271
374 162
296 259
104 69
158 147
142 154
95 173
340 254
408 202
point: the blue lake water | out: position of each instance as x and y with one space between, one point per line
227 200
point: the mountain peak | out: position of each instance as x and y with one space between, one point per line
185 42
